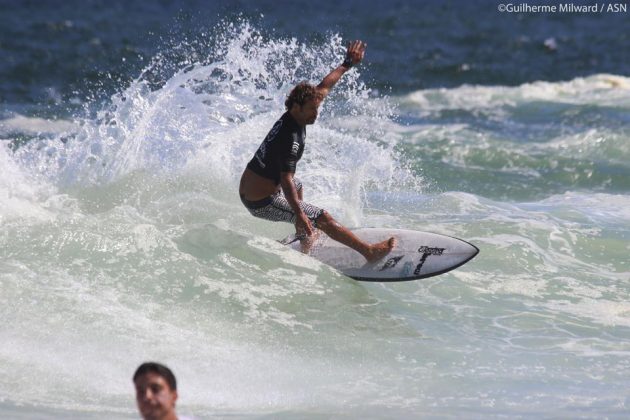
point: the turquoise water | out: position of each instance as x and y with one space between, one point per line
123 239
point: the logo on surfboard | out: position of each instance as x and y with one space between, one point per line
391 263
426 251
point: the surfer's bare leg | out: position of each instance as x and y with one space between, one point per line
371 252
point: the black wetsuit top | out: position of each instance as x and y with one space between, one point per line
281 149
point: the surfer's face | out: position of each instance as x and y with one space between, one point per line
309 111
154 396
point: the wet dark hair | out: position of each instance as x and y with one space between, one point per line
158 369
302 93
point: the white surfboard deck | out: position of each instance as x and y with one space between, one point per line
417 255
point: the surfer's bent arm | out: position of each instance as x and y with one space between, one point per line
354 55
291 194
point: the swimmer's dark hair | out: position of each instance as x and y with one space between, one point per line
158 369
302 93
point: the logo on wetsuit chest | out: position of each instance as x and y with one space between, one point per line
261 153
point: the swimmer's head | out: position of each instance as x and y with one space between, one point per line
156 391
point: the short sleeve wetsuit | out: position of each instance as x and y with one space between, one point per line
281 149
279 152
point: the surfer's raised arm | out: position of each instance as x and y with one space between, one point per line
354 55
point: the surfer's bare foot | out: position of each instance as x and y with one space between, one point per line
379 250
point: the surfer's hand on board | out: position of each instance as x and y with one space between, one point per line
303 225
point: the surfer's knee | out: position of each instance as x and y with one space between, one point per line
325 219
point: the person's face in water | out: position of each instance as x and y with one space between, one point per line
308 111
155 398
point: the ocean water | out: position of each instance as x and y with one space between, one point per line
124 130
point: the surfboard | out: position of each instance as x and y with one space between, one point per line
417 255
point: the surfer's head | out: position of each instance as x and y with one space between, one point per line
303 103
156 391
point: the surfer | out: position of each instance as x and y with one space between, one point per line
269 189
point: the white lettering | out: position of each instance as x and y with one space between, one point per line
617 8
262 150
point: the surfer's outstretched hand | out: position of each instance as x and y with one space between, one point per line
355 51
